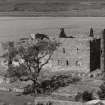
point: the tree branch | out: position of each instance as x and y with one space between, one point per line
26 78
42 56
45 62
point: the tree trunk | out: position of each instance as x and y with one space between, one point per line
34 88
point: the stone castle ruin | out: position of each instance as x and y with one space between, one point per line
76 54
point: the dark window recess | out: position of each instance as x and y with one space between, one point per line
77 63
10 62
77 50
63 50
67 63
101 51
58 62
95 52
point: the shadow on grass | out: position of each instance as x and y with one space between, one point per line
46 87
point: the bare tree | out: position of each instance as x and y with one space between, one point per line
34 54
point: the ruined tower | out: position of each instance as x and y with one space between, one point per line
95 50
62 33
103 51
95 54
91 32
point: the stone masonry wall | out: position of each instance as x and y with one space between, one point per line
73 54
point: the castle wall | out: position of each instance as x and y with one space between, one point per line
73 54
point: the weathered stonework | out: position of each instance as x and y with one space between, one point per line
78 54
73 54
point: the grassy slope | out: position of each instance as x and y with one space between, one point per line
13 99
10 97
53 7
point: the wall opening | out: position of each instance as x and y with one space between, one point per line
67 63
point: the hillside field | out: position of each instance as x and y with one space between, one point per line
52 8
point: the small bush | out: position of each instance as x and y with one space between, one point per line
48 86
75 79
40 103
49 103
78 97
101 92
87 96
45 87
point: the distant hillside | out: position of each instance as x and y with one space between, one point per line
54 7
38 5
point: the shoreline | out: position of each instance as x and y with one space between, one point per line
94 13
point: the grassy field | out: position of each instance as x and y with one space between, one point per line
24 26
14 99
52 8
62 93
